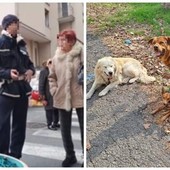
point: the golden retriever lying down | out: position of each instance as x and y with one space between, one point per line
114 71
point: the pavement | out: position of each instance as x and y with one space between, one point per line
120 127
44 147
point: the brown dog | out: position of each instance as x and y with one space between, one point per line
166 96
164 108
161 47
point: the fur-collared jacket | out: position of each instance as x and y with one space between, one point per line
64 87
13 55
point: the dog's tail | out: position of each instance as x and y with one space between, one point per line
144 78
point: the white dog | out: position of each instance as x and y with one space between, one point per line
114 71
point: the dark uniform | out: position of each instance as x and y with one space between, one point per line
13 94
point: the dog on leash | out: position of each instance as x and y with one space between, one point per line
161 48
114 71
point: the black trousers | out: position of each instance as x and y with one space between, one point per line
52 116
15 108
65 124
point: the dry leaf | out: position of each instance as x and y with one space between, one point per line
146 125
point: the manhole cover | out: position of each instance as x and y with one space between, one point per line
34 125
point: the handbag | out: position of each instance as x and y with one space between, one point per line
80 75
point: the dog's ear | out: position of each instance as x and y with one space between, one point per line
168 40
98 67
150 41
98 70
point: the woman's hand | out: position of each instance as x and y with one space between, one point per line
44 102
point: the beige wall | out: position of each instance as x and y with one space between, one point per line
41 40
54 27
35 18
32 14
77 10
78 24
44 49
6 8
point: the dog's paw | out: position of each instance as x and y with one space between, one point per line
88 96
102 93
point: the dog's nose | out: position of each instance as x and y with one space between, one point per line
156 48
110 73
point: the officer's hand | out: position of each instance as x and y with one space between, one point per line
28 75
14 74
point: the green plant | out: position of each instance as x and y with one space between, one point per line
109 15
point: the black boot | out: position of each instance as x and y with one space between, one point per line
51 127
69 161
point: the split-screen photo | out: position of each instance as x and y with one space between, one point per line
85 84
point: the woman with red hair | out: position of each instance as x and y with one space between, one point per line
67 93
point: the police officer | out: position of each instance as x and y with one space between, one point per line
16 70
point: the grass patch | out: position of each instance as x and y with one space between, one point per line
108 15
138 32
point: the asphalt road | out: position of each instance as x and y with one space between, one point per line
115 122
44 147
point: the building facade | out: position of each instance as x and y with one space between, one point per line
40 23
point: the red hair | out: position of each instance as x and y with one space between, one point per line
70 35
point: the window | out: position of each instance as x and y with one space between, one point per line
64 9
46 18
